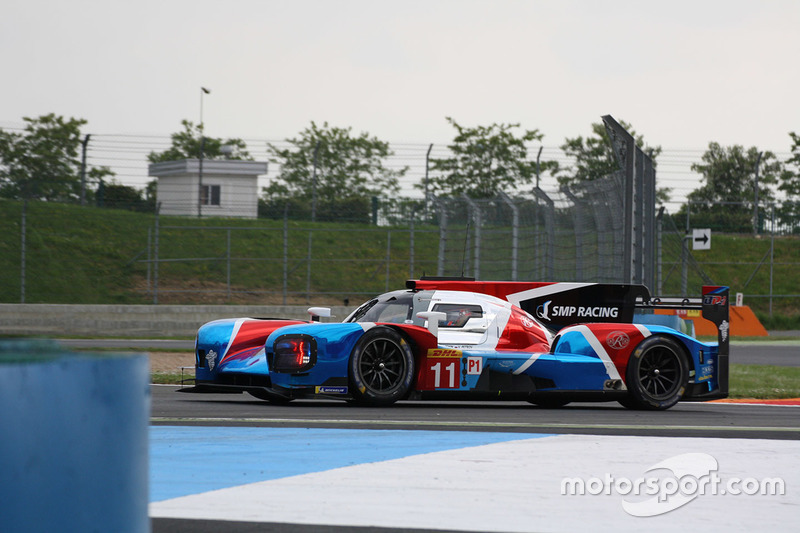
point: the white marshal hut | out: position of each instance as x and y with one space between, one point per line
224 188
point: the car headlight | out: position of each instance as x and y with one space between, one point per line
293 353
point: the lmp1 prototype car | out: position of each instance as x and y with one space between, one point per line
449 339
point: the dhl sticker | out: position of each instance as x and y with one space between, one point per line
444 352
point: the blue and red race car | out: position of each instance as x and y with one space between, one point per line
547 343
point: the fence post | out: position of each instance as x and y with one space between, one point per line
685 263
308 269
577 214
228 265
442 236
155 263
514 232
285 252
388 257
476 216
411 245
771 256
23 251
659 230
149 258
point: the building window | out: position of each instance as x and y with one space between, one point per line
209 195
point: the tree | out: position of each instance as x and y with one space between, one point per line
726 198
42 161
789 212
118 196
485 161
595 159
187 144
330 165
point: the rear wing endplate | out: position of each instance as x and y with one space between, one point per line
714 306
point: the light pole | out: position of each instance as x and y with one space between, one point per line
203 91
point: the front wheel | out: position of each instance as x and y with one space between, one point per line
657 374
381 367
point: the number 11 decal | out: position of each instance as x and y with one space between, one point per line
452 373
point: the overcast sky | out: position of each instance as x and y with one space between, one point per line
683 73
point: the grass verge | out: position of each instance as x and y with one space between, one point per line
169 378
764 382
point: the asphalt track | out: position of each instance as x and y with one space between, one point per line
687 419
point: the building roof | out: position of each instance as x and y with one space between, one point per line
191 167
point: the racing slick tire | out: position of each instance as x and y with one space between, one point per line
657 374
381 367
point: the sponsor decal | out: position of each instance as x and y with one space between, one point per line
714 299
584 312
548 312
211 359
527 322
618 340
330 390
723 329
444 352
474 365
542 311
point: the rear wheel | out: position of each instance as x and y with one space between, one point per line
381 367
657 374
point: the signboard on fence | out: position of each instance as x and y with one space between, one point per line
701 239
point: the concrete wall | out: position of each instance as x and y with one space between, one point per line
145 321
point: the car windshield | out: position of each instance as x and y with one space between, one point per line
394 308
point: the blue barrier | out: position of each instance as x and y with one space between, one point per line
74 445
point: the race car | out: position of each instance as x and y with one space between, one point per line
460 339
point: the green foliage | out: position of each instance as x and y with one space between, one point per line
42 162
334 165
595 159
727 195
346 209
189 143
789 211
486 160
118 196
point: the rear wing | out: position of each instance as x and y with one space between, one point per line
714 305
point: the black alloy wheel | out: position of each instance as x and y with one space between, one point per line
381 367
657 374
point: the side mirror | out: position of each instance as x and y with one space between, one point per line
433 318
317 312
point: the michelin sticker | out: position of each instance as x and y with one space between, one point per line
330 390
